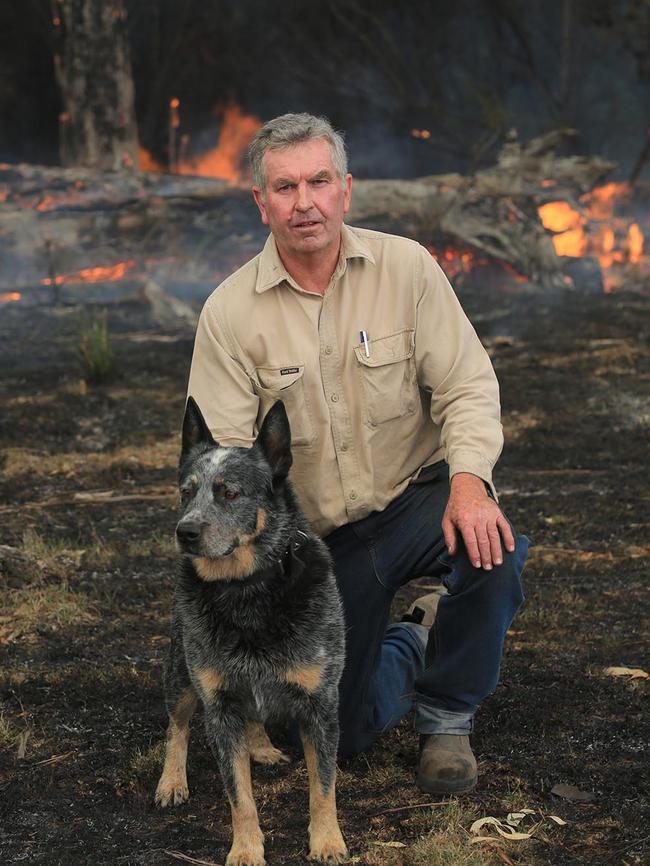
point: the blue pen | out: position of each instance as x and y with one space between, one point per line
363 338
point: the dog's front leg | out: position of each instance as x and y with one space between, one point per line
181 701
227 737
319 733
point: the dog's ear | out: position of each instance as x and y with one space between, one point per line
275 440
195 430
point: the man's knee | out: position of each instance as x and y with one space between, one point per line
502 584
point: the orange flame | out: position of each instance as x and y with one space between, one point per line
92 275
223 161
9 296
635 241
596 230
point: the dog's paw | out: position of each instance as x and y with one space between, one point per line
246 855
171 792
329 848
268 755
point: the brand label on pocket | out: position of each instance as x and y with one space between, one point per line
285 371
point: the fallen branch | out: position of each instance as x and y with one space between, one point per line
93 497
186 859
406 808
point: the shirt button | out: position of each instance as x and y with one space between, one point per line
328 350
353 494
334 398
344 446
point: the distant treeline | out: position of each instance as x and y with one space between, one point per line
464 73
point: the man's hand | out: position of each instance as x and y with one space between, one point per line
479 520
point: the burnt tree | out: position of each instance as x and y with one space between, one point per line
93 71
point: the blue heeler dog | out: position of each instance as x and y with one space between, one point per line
257 629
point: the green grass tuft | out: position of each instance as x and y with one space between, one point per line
95 351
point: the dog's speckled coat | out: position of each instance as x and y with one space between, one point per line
257 629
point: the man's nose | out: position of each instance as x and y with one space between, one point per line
303 199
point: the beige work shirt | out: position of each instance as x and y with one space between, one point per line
363 423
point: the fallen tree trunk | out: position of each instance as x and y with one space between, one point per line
494 212
58 221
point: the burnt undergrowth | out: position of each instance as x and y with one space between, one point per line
83 630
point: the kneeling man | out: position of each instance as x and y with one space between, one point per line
394 411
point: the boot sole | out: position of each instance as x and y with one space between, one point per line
438 786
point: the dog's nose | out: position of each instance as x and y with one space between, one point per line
189 530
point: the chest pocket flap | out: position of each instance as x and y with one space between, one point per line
387 350
285 383
388 376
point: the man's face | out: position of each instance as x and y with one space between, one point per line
304 201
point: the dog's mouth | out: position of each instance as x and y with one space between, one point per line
195 548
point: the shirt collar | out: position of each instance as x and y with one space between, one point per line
272 272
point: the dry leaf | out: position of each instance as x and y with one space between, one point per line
486 840
570 792
389 844
503 829
515 818
557 820
634 673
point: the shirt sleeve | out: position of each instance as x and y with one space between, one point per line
220 385
453 365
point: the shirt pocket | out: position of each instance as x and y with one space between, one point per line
388 376
285 383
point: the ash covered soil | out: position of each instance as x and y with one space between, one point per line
87 592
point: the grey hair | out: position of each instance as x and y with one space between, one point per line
291 129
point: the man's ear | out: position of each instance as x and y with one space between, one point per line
259 201
275 441
347 193
195 430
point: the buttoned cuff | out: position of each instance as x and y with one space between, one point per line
475 464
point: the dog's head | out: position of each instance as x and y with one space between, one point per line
227 493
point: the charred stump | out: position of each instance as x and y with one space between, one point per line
93 70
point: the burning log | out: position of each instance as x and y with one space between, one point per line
494 212
533 212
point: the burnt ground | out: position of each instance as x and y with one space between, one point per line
84 619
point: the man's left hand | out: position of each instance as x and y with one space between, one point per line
479 520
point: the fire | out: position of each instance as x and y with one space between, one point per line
560 217
635 243
223 161
92 275
455 261
596 230
9 296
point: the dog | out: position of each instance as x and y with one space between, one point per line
257 629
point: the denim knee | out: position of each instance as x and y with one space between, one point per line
501 584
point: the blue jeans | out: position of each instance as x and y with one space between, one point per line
445 673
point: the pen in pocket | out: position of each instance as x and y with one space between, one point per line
363 339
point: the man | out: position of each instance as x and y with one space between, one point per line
394 411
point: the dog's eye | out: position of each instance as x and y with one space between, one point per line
230 494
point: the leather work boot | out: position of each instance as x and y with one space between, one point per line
423 610
447 764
